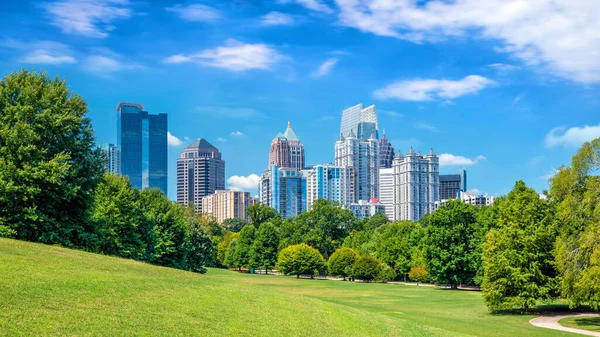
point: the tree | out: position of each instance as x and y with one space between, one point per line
260 213
341 262
223 246
376 221
241 257
366 268
518 261
418 274
452 244
198 245
398 242
300 259
576 191
49 163
386 274
264 249
234 225
229 261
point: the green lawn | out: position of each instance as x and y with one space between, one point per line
47 290
586 323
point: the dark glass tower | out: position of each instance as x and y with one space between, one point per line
142 140
386 152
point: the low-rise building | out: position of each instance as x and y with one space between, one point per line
226 204
364 209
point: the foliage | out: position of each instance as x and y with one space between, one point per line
342 261
260 213
230 255
418 274
7 232
376 221
398 242
386 274
198 245
263 253
223 246
49 164
234 224
576 191
518 259
300 259
241 256
361 241
366 268
452 244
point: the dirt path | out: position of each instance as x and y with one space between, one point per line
551 322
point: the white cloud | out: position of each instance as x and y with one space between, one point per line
391 113
91 18
241 183
106 63
474 191
503 67
447 159
195 12
430 89
172 140
233 56
428 127
242 113
572 137
42 56
561 35
41 52
313 5
237 133
325 67
277 19
549 174
221 139
516 99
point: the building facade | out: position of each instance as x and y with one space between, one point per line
283 189
200 172
112 157
386 152
386 191
327 182
360 158
361 121
476 199
226 204
286 150
142 142
416 185
451 185
364 209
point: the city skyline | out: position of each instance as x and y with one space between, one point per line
518 110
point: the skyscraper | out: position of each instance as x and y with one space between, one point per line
286 150
327 182
362 122
386 191
451 185
283 189
142 140
113 158
416 185
386 152
225 204
200 172
361 160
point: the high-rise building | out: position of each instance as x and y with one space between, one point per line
226 204
451 185
200 172
287 150
113 158
361 160
361 121
283 189
327 182
416 185
142 140
386 191
386 152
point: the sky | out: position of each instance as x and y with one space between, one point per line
506 89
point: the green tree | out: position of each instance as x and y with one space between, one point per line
341 262
234 225
264 249
386 273
223 246
452 244
362 241
198 245
398 242
300 259
260 213
230 255
376 221
576 191
366 268
518 260
418 274
243 247
49 164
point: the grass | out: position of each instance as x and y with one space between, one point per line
586 323
46 290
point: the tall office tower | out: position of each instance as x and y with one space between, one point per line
416 185
362 122
386 191
386 152
200 172
451 185
283 189
327 182
287 150
226 204
113 158
142 140
361 160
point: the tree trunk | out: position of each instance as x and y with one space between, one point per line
266 271
298 276
344 278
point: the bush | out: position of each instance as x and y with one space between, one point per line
7 232
299 260
418 274
386 274
366 268
341 262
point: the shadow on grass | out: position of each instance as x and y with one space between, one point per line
587 323
545 310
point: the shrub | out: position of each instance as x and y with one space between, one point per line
300 259
341 262
366 268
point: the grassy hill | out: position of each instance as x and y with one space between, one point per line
47 290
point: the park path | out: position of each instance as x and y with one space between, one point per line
551 322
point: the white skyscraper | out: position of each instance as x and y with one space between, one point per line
361 160
327 182
362 122
416 185
386 191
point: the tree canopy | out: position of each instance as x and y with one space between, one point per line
342 261
300 259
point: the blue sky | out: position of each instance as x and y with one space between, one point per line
503 88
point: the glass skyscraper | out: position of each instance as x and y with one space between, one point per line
362 122
112 158
142 141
